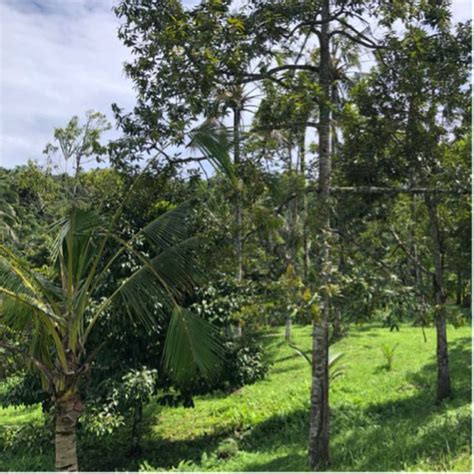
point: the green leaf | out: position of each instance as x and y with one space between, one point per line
192 347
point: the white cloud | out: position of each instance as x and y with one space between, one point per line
58 59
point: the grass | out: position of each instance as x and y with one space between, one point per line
381 420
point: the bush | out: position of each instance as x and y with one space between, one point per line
245 363
24 388
228 304
32 438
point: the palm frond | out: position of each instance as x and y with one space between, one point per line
176 268
155 287
335 369
73 235
170 227
191 348
214 141
20 298
13 271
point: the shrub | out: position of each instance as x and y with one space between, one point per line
32 438
227 304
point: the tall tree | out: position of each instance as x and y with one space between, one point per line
418 100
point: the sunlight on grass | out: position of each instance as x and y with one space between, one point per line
381 420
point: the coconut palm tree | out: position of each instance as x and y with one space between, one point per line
59 307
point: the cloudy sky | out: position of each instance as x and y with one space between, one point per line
60 58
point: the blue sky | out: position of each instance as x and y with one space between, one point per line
60 58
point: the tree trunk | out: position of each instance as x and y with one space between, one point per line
238 199
319 417
302 163
288 328
68 410
444 382
337 323
238 330
319 421
459 289
336 310
416 270
137 416
292 211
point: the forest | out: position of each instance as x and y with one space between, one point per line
268 268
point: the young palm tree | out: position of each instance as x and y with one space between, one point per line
60 310
60 307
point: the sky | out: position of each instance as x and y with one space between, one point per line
60 58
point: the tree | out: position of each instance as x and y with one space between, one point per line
184 55
77 145
417 102
60 305
61 311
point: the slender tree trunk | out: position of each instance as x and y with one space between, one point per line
135 431
459 288
444 382
337 323
319 417
336 310
416 270
236 330
288 328
302 163
292 211
238 199
68 410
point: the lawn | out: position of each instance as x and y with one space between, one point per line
381 420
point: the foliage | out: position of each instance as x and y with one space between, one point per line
335 369
228 304
99 282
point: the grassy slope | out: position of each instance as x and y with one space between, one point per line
382 421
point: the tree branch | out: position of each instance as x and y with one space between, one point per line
361 38
409 255
394 190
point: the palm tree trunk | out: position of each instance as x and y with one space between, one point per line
319 417
68 410
238 199
442 360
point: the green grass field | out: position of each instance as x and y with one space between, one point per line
381 420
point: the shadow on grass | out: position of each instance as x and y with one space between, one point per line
289 462
158 452
284 359
404 432
394 435
290 368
